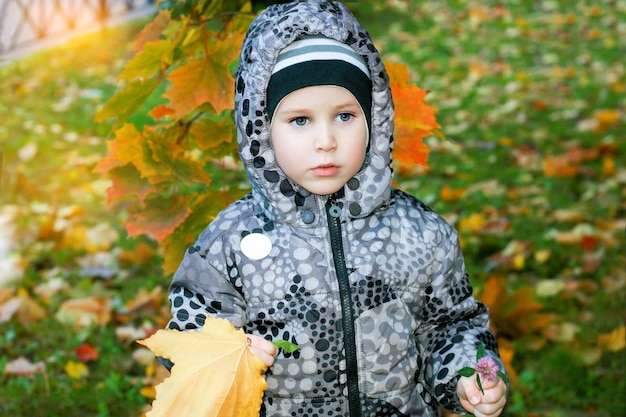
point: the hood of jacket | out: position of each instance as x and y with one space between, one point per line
276 195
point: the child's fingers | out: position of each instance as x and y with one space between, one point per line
468 393
488 405
488 384
490 409
266 358
262 344
264 349
494 392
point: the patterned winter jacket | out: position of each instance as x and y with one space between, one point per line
369 283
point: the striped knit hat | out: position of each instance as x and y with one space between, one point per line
317 60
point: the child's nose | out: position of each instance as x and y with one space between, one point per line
325 139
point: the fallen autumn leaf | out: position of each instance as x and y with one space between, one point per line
214 373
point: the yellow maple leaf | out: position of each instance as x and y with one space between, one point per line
214 373
473 223
613 341
76 370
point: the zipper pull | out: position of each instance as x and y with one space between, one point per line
334 208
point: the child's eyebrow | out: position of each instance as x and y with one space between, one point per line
294 110
347 104
336 106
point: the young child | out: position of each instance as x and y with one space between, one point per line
365 279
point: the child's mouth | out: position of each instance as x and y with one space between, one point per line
326 170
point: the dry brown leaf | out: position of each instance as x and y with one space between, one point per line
23 306
562 332
589 356
84 312
573 236
23 367
147 302
142 254
214 373
568 216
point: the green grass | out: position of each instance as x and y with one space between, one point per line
526 78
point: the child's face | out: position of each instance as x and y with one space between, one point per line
319 136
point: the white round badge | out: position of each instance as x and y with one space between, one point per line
256 246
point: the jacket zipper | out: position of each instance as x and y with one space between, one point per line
333 212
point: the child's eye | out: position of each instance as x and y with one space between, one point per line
299 121
344 117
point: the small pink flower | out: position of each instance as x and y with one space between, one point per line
487 369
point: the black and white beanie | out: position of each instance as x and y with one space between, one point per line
317 60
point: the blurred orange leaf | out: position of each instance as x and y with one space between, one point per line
507 352
215 373
87 353
161 111
111 160
608 166
450 194
414 119
606 118
560 166
568 164
516 314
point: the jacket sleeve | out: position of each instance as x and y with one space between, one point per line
453 325
199 289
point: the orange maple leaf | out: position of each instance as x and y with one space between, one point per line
160 112
153 30
160 218
110 161
414 119
126 182
206 79
214 373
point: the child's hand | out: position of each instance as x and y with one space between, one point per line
488 405
264 349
